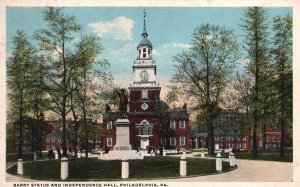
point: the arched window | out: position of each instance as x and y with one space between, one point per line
144 49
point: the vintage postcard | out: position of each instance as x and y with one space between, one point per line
149 94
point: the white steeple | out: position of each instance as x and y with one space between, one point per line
144 68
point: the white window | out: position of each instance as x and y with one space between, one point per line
145 94
274 145
238 145
274 139
222 138
232 138
109 125
227 138
244 138
172 124
244 146
238 138
182 140
216 138
172 140
109 142
278 139
260 143
182 124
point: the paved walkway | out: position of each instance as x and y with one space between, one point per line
247 171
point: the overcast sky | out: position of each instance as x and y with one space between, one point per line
169 30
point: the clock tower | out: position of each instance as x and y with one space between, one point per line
144 90
144 97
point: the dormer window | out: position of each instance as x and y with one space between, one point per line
144 50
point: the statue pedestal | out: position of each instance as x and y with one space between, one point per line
122 135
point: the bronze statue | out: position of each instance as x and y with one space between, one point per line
123 101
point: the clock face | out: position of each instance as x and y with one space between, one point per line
144 106
145 75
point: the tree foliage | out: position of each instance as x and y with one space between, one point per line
256 46
203 70
282 54
18 75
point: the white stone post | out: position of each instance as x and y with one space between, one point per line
78 154
219 162
202 155
231 159
183 170
64 168
164 152
125 169
34 157
56 155
20 169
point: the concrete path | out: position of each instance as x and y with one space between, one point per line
247 171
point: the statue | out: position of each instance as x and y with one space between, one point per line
123 101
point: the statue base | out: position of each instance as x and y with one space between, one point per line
122 135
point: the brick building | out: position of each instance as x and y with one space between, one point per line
237 139
144 98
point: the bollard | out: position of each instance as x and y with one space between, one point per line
78 155
231 159
184 153
164 152
64 168
183 169
34 157
219 162
125 169
202 155
56 155
20 167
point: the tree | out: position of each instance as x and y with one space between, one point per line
84 77
55 44
18 66
256 40
282 53
203 71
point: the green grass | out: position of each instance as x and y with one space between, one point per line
13 157
87 169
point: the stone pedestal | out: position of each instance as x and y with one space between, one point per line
122 135
231 159
34 157
183 170
56 155
64 168
125 169
219 162
20 167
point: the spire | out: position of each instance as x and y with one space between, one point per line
144 33
144 20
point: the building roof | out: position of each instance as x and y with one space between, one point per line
145 42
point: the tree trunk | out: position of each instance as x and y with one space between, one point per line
210 137
20 145
64 136
85 130
264 137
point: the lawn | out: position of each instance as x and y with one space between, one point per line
94 169
27 156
